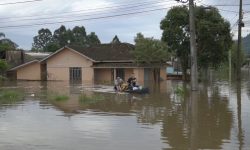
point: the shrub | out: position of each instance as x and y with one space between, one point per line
10 96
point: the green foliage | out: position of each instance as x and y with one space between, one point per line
3 78
56 97
92 39
149 50
2 35
10 96
3 66
115 40
84 99
180 91
42 40
77 36
52 47
246 44
176 34
212 33
61 98
62 36
48 42
213 37
6 44
234 56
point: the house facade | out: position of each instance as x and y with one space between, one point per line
98 64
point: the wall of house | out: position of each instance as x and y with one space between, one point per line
59 64
103 75
29 72
163 74
128 73
139 74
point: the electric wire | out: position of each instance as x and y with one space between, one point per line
131 8
85 19
92 9
20 2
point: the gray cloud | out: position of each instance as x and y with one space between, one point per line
125 27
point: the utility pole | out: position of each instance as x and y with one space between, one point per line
240 25
194 73
193 48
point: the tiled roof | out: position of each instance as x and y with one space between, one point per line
129 65
107 52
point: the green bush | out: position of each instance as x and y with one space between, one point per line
57 97
3 65
10 96
83 98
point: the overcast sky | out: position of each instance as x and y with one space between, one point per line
92 14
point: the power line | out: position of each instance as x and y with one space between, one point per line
233 20
226 10
21 2
230 5
86 19
93 9
137 7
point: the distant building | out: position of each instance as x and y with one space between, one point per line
99 64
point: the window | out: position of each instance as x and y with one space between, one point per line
120 73
75 73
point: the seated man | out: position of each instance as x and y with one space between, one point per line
118 83
131 81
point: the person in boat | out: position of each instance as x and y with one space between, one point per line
118 84
132 82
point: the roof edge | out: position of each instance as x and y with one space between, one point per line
23 65
66 47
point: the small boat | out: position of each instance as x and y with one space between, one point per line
138 91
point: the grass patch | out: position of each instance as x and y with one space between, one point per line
10 96
84 99
180 91
61 98
57 97
2 78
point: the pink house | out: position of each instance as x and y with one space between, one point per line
95 64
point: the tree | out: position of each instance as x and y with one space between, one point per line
61 36
115 40
78 36
212 33
246 44
42 40
92 39
150 51
2 35
46 41
6 44
52 47
3 66
176 35
234 56
213 37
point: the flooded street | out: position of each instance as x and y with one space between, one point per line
62 116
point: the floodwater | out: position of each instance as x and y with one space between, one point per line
170 117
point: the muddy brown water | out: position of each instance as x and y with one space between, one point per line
170 117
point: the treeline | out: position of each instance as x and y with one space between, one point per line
246 44
213 37
6 44
46 41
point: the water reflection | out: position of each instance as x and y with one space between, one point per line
240 132
169 117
